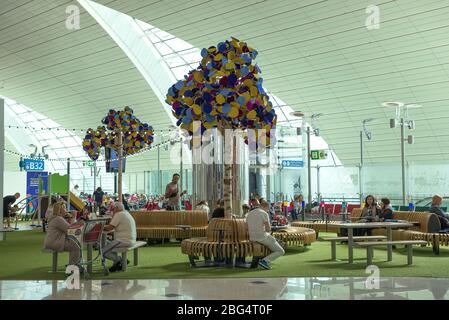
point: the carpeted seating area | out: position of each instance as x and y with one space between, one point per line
22 259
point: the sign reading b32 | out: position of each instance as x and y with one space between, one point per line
33 164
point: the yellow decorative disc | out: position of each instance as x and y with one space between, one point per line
220 99
234 113
252 115
196 109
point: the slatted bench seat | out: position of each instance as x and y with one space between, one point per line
408 244
295 236
435 239
227 239
334 241
124 252
165 224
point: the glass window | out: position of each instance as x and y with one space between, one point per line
174 60
28 117
69 142
163 48
177 44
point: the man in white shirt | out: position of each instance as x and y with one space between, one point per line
259 227
124 227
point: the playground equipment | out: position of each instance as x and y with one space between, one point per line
57 185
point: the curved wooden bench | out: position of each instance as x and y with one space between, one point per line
163 224
229 239
295 236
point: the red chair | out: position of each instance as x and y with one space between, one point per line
329 208
337 209
352 207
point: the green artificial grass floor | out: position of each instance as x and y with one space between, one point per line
21 258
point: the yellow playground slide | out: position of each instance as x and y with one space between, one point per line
76 202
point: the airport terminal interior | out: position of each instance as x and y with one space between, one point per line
220 150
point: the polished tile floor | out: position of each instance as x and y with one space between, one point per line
236 289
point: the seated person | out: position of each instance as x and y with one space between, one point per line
259 227
110 206
219 211
245 209
124 227
436 208
386 211
86 214
203 206
297 207
371 211
56 234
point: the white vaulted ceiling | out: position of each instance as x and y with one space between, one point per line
316 55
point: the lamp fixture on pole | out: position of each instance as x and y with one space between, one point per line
316 131
365 131
403 120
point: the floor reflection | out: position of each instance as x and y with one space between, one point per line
236 289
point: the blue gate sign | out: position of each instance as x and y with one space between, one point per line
34 164
292 164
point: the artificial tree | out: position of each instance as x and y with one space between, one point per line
225 92
121 131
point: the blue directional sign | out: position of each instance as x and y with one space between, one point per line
292 164
33 164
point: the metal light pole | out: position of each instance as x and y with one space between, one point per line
309 168
403 161
95 176
2 160
68 182
318 191
180 165
369 137
403 117
361 168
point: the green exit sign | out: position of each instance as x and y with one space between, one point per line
318 154
89 163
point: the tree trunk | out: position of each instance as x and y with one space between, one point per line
228 160
120 172
227 188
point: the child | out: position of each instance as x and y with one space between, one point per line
12 214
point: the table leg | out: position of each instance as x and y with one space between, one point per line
409 254
350 243
334 250
390 247
89 258
351 286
